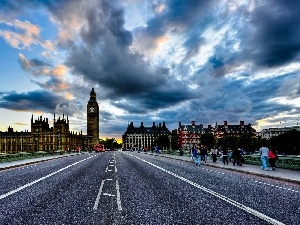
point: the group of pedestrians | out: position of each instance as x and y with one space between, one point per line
236 156
200 154
268 155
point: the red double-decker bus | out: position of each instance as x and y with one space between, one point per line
99 148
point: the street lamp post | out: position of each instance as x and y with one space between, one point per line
58 136
170 147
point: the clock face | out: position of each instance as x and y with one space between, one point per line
92 109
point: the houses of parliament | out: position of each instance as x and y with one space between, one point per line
42 137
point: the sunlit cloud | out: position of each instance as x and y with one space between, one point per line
23 34
69 96
59 71
160 8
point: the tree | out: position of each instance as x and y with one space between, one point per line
174 142
287 143
163 140
208 140
228 141
247 142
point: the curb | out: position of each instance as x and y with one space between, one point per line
31 163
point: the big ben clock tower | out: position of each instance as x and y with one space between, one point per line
93 119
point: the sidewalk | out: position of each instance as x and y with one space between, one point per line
24 162
279 173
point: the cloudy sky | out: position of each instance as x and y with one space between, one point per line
150 61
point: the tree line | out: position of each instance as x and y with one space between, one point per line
287 143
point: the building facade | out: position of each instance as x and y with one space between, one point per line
189 135
143 137
42 137
271 132
226 129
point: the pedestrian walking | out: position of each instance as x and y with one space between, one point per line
180 151
197 156
236 157
203 153
225 156
229 154
214 153
156 149
264 153
272 155
192 153
242 160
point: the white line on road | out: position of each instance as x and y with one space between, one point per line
109 194
98 196
118 196
40 179
237 204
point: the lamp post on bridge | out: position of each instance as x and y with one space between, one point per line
170 140
59 137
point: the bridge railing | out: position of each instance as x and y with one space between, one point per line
287 162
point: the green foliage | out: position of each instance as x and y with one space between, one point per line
110 143
246 142
208 140
163 140
174 142
287 143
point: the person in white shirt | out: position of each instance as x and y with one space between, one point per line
264 152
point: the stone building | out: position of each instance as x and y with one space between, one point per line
59 137
220 131
143 137
271 132
189 135
42 137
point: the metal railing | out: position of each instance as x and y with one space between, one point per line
287 162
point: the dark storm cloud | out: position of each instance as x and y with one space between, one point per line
38 100
273 38
35 66
54 84
105 58
106 18
178 14
178 17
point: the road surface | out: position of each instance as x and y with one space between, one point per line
136 188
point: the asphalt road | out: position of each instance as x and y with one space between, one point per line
136 188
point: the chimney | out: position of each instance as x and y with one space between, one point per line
241 123
153 124
142 124
179 124
225 123
209 127
159 124
193 123
164 124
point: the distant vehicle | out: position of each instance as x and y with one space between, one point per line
99 148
